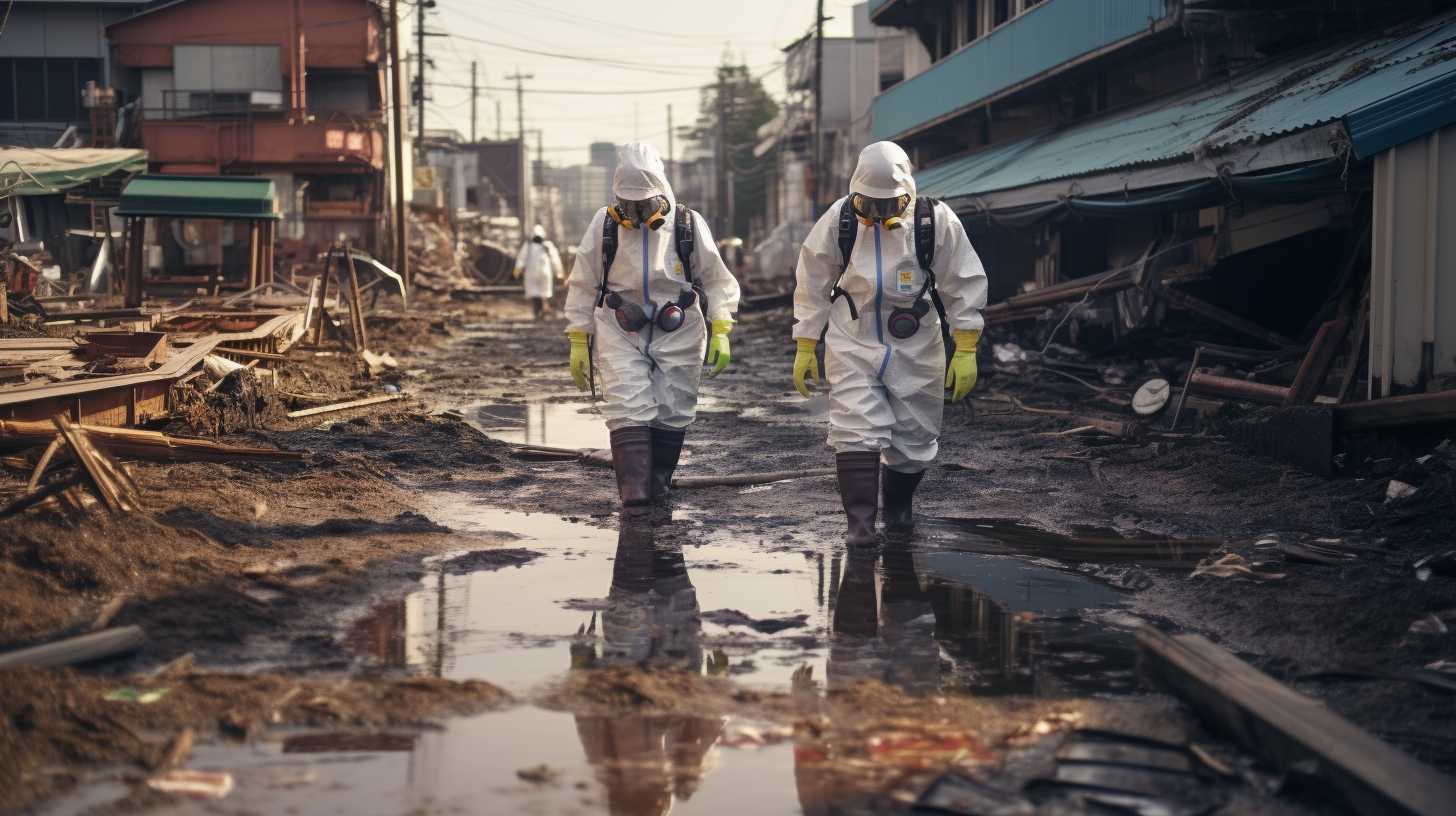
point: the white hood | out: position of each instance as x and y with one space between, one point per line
538 232
883 171
640 174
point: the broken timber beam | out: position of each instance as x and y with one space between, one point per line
1397 412
1188 303
1317 363
82 649
1230 388
142 444
1287 728
343 406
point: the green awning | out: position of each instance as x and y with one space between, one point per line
246 198
43 171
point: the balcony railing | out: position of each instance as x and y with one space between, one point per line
1045 37
223 141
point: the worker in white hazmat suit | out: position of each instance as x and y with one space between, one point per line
538 265
884 353
647 286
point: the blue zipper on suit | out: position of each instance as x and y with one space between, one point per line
879 298
646 289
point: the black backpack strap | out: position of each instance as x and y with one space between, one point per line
609 254
925 254
686 238
848 232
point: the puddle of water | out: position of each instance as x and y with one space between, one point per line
661 598
555 424
637 765
521 626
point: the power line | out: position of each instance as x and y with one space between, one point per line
624 65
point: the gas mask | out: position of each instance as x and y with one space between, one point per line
886 211
632 214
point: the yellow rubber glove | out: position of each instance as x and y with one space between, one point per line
580 359
516 273
718 352
960 374
806 364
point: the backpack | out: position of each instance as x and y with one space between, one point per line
924 226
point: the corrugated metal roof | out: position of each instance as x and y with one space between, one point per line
1396 85
42 170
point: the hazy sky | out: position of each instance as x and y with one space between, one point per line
614 46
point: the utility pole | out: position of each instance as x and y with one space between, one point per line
817 180
420 74
498 134
721 157
401 251
669 142
525 213
474 94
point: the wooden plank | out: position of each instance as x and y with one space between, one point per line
1287 728
1316 366
344 406
1189 303
356 304
1397 412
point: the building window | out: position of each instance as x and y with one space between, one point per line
49 90
1000 12
973 21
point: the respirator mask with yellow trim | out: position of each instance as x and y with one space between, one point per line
649 211
886 211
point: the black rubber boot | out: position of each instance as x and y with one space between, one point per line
632 459
666 449
899 490
538 307
859 490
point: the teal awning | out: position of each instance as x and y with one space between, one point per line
42 171
247 198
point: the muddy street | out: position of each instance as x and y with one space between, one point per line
438 611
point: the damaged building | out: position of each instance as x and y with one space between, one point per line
302 104
1269 168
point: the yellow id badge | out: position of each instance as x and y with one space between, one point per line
906 284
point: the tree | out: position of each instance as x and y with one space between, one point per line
736 105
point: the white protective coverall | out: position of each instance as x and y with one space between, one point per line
886 394
539 264
646 270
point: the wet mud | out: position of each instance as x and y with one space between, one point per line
728 653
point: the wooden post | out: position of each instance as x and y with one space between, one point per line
356 303
323 316
135 260
265 263
4 304
254 255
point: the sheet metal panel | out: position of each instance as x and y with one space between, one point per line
1045 36
1377 76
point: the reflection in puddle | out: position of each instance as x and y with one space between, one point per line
926 619
525 760
555 424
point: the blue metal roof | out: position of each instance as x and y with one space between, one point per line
1038 40
1386 89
